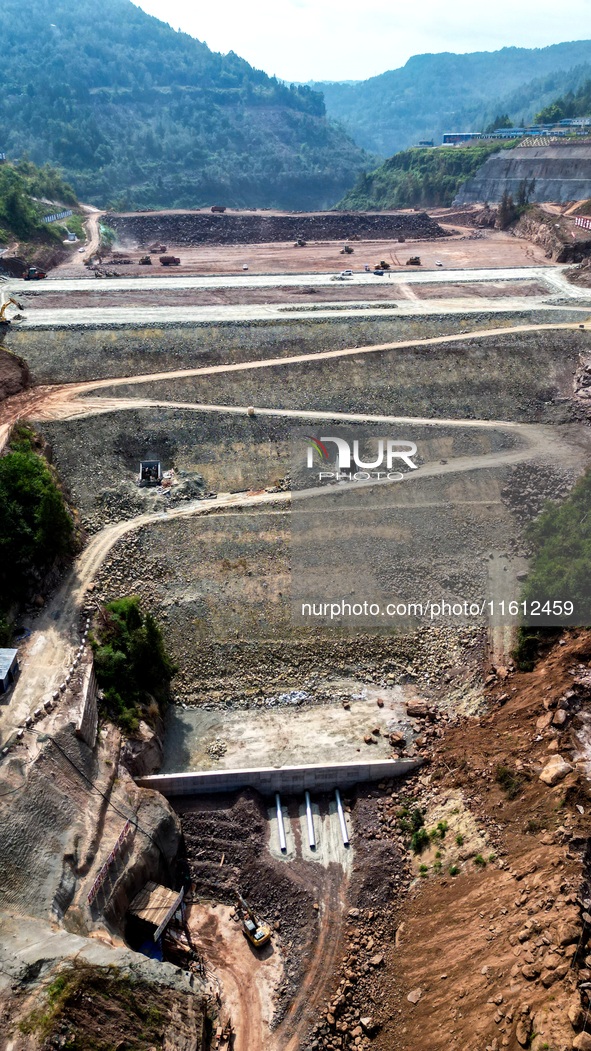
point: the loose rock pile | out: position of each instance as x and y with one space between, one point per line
199 228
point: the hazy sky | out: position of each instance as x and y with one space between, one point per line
353 39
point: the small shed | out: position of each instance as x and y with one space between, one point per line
150 472
154 907
9 669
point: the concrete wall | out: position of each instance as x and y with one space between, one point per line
561 173
283 779
87 719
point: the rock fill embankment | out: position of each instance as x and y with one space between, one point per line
561 173
193 228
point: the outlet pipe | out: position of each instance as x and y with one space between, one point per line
280 825
310 820
341 813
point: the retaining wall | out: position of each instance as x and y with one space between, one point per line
87 719
282 779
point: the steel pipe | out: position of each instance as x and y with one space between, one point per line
280 825
310 820
341 813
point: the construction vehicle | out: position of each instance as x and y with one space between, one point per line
146 260
347 250
258 933
170 260
7 300
415 260
155 249
224 1037
219 208
382 265
34 273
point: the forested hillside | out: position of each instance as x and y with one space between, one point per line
433 94
572 104
414 178
23 190
139 115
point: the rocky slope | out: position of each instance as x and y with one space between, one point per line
14 374
489 947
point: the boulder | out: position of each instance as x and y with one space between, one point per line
555 770
582 1042
143 753
414 996
417 709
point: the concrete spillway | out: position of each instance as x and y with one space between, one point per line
322 778
561 173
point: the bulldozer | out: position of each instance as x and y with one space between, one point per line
257 932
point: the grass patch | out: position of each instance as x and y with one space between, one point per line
419 841
99 1009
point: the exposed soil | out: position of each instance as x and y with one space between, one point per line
488 289
490 248
489 946
101 296
14 374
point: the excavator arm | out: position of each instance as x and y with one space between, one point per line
7 301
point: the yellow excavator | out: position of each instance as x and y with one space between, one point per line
5 303
257 932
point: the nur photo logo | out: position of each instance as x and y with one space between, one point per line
348 462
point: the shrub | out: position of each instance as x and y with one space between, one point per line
460 839
36 527
453 870
480 861
420 840
132 665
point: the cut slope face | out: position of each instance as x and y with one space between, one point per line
559 173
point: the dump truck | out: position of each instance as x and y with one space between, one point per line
34 273
257 932
219 208
170 260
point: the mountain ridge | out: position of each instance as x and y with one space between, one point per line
139 115
435 93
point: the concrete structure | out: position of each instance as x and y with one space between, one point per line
269 780
87 717
9 669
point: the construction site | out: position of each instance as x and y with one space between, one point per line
337 836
